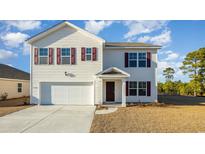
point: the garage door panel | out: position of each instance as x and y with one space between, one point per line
75 94
67 93
59 94
89 95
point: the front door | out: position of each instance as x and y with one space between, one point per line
110 91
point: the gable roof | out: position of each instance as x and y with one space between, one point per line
113 71
130 45
57 27
9 72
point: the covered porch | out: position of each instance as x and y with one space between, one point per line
114 86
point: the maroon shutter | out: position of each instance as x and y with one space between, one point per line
58 55
36 56
148 88
83 54
94 54
127 88
50 55
148 59
72 55
126 59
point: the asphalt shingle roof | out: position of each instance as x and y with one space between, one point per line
9 72
129 44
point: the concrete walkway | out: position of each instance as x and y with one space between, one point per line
49 119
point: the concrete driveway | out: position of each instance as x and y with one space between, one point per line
49 119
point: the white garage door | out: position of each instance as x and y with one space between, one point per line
67 93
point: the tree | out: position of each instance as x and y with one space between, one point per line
160 88
169 88
168 73
194 66
180 87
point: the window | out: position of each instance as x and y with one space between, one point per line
133 88
132 59
65 56
19 87
142 88
88 54
142 59
43 56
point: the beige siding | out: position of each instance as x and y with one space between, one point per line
84 71
10 87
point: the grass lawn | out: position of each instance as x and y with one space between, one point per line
12 105
146 119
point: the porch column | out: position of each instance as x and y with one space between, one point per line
123 93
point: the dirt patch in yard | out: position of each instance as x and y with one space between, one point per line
169 119
13 105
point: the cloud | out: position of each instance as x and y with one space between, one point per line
144 39
171 59
162 39
6 54
14 39
142 27
26 49
96 27
23 25
10 65
175 65
171 55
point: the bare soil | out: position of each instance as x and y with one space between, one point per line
13 105
174 117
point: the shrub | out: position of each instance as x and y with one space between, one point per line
4 96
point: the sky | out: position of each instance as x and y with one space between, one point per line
177 38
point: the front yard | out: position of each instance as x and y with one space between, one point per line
159 119
12 105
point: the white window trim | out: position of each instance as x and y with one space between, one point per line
132 88
137 59
65 56
39 56
142 88
142 60
91 54
21 87
132 59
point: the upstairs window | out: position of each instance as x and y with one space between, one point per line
142 59
88 54
65 56
132 59
133 88
142 88
19 87
43 56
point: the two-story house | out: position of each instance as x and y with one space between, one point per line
74 67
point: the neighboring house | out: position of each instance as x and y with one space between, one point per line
14 82
72 66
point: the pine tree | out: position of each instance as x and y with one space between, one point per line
194 66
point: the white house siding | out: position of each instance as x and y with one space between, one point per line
115 58
84 71
118 90
10 86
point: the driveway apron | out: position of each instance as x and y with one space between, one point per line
49 119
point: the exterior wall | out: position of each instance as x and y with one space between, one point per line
115 58
118 90
10 86
98 91
84 71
